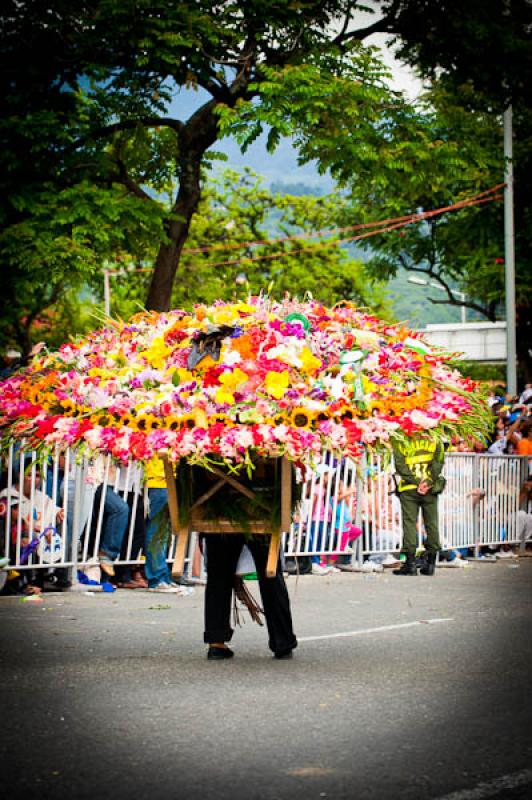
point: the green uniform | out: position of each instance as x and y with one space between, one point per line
418 460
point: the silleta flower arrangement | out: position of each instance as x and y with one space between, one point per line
237 381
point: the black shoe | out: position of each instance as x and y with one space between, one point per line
283 654
62 585
304 565
219 653
409 567
430 564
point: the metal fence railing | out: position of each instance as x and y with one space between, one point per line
56 515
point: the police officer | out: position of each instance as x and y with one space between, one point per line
418 463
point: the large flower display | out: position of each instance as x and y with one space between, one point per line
232 381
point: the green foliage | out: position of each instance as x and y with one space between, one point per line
59 245
221 261
480 371
483 43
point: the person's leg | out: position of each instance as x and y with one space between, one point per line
316 538
429 509
222 557
275 599
116 516
155 567
409 510
524 529
130 574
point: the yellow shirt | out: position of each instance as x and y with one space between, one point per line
154 474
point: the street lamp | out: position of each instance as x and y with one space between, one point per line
461 295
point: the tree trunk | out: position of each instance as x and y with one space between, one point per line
197 136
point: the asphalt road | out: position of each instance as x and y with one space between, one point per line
400 688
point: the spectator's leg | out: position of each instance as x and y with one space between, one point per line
157 526
116 515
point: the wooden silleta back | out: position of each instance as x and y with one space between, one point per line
198 521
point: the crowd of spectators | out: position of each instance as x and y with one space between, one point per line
122 517
512 433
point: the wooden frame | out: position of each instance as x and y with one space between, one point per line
224 526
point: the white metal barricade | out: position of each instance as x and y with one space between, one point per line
53 515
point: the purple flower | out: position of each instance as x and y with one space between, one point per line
292 394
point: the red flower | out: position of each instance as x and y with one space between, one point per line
211 376
46 426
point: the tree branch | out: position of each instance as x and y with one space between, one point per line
383 25
125 178
487 311
130 124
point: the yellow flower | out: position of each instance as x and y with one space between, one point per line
309 363
157 353
276 383
185 376
223 395
244 308
232 380
224 315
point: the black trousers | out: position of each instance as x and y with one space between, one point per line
222 557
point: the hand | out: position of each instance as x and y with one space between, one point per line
423 487
60 516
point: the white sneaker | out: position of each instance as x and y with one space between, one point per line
164 588
460 562
505 554
371 566
390 561
317 569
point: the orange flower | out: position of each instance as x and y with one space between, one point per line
244 346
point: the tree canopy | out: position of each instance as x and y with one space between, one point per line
93 131
90 85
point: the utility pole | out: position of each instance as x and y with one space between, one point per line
509 255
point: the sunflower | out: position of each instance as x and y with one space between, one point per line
34 395
344 412
68 406
101 418
302 417
172 423
188 421
147 423
225 418
278 419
